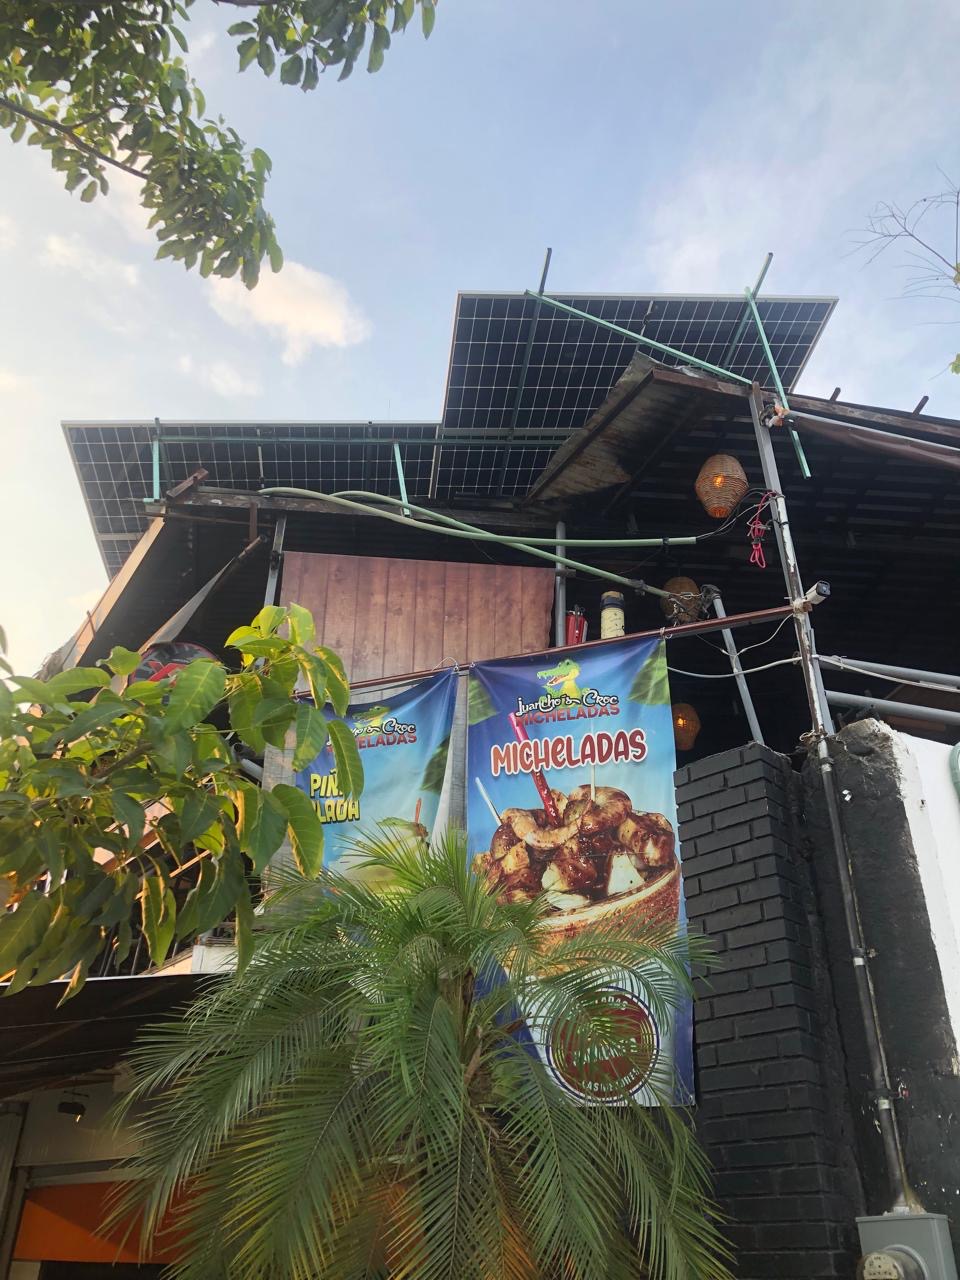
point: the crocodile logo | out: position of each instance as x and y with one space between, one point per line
370 719
562 679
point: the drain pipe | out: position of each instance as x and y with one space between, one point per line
904 1200
560 593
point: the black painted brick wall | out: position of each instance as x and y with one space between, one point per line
771 1099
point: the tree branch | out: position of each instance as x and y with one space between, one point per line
67 132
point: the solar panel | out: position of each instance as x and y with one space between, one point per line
509 432
573 363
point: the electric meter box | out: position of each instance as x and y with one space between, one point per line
927 1235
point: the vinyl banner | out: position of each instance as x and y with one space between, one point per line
403 741
570 792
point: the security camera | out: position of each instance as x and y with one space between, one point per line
819 592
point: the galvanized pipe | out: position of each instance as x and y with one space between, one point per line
560 592
856 667
775 373
908 709
741 679
638 338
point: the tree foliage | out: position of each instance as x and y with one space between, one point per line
357 1103
108 794
99 85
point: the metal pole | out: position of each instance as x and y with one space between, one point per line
639 338
524 369
775 372
745 698
400 476
856 667
788 560
908 709
560 593
904 1200
276 560
745 318
155 455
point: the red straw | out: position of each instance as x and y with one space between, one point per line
549 804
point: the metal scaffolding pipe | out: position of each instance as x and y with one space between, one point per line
908 709
775 373
856 667
560 592
741 680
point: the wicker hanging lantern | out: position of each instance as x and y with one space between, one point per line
686 725
683 603
721 484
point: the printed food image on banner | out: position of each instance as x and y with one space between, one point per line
570 793
403 742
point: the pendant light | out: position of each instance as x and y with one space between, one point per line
721 484
683 604
686 725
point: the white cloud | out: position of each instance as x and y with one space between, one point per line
9 234
302 307
71 253
10 381
220 377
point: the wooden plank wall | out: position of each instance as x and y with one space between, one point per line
385 617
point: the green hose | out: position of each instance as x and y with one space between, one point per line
530 542
462 530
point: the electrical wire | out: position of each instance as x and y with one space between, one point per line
732 675
772 636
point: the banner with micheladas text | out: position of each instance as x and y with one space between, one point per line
404 742
570 794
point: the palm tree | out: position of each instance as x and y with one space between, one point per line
362 1101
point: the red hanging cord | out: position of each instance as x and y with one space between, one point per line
757 530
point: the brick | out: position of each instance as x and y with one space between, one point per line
774 1020
756 890
799 1044
811 1265
750 1101
704 903
805 1095
706 1056
773 908
720 1079
697 863
748 811
796 995
722 1132
725 839
789 1071
697 788
734 917
713 1029
767 931
731 875
784 1124
731 1182
721 984
691 827
783 971
769 1155
748 958
756 1049
715 764
787 949
717 802
742 1002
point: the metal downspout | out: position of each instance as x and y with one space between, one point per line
560 593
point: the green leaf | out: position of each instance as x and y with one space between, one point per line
306 830
198 687
241 29
436 769
180 38
242 705
89 192
129 813
347 756
303 630
312 734
276 257
77 680
121 661
87 721
158 917
22 930
479 706
338 686
200 811
244 925
271 617
651 684
248 50
266 56
428 17
261 826
311 75
272 718
292 70
955 364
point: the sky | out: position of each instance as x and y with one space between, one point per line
654 147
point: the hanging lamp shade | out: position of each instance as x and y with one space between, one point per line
683 603
721 484
686 725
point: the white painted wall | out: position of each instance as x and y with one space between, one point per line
933 812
